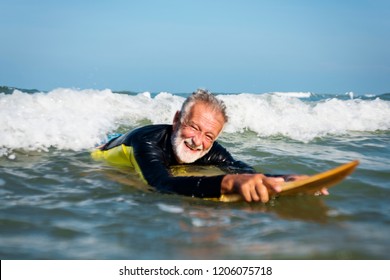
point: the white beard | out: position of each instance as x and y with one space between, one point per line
181 149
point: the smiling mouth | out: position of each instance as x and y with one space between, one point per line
191 147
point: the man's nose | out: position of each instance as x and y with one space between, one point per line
197 139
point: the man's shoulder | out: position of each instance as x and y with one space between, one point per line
150 133
146 134
152 128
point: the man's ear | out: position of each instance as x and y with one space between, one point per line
176 120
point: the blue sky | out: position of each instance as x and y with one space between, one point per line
178 46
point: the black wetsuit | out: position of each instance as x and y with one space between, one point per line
152 150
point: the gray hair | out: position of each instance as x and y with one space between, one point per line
204 96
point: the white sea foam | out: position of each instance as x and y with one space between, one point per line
294 94
75 119
80 119
274 114
170 208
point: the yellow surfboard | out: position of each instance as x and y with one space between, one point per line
309 185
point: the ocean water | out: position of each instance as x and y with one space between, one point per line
58 203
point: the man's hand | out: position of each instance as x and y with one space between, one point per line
252 187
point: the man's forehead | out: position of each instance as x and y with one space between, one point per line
207 115
204 108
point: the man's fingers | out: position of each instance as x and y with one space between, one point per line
274 183
254 187
263 193
255 196
246 192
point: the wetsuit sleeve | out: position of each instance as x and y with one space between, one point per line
154 166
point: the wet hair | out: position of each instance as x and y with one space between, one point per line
203 96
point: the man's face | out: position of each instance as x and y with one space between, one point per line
193 138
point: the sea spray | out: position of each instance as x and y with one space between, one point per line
73 119
303 120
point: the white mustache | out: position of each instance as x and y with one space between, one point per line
191 145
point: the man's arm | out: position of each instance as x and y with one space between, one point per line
155 170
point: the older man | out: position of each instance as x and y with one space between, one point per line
152 149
